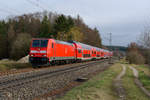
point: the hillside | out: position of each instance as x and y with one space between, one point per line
118 48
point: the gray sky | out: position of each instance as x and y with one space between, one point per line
125 19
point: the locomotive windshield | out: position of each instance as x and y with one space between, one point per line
39 43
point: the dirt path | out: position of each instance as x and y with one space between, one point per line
135 72
118 84
138 83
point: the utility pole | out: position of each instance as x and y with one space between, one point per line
110 39
110 43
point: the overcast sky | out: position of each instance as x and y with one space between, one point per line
125 19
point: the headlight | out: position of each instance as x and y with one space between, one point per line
44 55
32 55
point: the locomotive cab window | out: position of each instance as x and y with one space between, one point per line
35 43
39 43
44 43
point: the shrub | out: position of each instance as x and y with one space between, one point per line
146 54
135 58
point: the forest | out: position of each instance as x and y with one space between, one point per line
16 32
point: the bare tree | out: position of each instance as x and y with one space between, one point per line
144 44
144 39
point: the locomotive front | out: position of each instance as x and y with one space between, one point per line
38 52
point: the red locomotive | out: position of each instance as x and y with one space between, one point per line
50 51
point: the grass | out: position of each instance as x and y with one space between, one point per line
123 61
143 68
133 92
98 88
144 79
8 65
144 75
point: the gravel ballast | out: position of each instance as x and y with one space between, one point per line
44 84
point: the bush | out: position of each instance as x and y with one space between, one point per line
146 54
135 58
20 47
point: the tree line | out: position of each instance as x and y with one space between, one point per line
16 32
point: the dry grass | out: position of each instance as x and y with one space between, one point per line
6 61
8 65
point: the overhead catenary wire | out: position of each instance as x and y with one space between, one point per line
45 5
36 4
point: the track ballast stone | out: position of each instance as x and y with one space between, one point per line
44 85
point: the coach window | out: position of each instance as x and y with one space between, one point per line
79 51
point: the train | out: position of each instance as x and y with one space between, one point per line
47 51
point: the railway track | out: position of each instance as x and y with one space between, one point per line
34 77
10 83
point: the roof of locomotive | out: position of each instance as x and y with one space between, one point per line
63 42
